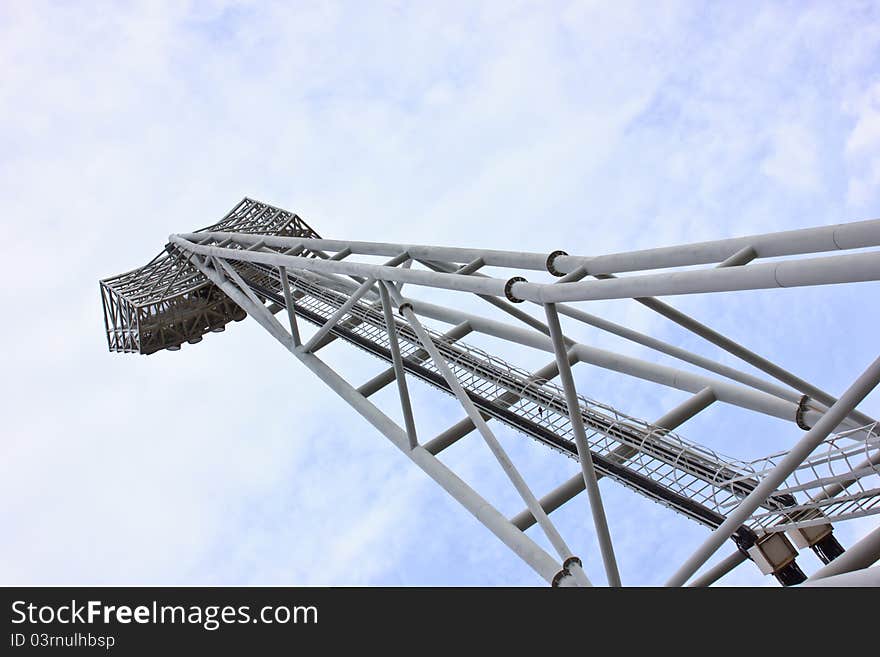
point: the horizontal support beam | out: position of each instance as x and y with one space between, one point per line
855 235
793 273
850 268
563 493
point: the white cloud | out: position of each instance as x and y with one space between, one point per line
793 160
863 146
582 127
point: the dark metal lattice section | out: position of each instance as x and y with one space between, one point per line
168 301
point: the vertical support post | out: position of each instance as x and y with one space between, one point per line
810 440
583 448
397 361
291 309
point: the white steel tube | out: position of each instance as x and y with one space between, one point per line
750 357
640 338
261 313
291 310
387 376
742 257
679 353
802 272
719 570
850 268
457 282
853 235
769 245
397 362
583 448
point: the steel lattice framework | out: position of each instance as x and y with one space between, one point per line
260 260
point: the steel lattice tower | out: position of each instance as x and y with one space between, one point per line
260 260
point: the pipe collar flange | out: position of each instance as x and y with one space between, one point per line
572 560
551 258
508 288
404 306
801 412
558 577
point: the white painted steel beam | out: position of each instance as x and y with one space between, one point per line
855 235
400 373
600 522
792 273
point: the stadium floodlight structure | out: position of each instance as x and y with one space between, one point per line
260 260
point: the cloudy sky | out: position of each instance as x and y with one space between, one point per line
588 126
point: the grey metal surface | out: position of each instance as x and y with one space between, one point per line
168 301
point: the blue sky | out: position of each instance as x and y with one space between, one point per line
593 127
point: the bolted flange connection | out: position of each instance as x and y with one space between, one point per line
801 411
572 560
508 288
551 258
566 570
558 577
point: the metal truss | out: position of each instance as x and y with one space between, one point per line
259 260
168 301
